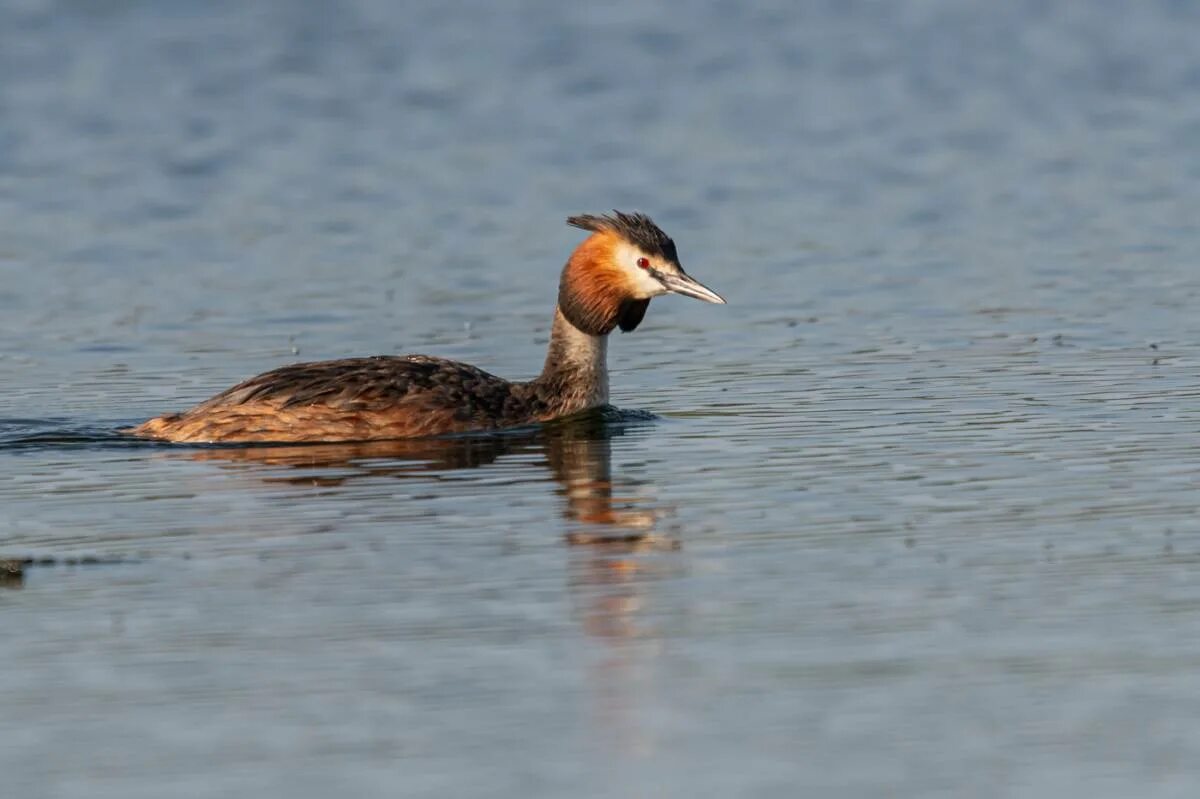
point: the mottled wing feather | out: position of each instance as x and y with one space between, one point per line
348 383
353 399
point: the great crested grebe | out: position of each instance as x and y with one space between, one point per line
607 282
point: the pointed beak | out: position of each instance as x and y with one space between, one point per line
683 283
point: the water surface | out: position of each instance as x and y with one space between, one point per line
915 514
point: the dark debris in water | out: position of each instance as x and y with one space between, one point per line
13 570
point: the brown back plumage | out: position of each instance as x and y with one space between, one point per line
354 399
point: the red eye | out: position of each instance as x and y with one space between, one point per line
643 263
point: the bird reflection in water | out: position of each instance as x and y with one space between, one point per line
614 536
577 450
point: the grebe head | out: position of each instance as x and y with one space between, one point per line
611 277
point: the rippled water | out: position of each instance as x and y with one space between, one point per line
915 514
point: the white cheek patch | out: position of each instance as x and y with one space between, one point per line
642 283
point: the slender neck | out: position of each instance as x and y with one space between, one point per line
575 376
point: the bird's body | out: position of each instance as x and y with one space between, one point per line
388 397
608 282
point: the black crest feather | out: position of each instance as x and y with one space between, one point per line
637 229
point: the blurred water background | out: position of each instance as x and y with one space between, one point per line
914 515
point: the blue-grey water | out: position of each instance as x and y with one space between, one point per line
916 514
